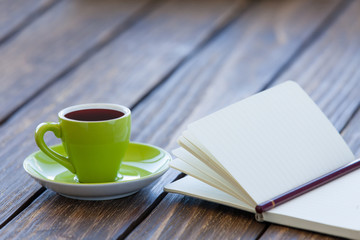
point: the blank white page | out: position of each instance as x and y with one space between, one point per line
273 141
333 208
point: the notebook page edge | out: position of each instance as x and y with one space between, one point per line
188 169
205 192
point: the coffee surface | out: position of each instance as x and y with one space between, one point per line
94 114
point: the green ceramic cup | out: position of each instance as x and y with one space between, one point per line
95 149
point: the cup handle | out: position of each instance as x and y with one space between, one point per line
41 129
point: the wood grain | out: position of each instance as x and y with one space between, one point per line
16 14
122 72
189 218
351 134
57 42
334 58
240 62
283 233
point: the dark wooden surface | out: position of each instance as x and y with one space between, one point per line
172 62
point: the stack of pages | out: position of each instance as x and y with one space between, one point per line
263 146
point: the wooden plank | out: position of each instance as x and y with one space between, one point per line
16 14
60 39
121 72
351 134
239 63
283 233
189 218
334 58
213 80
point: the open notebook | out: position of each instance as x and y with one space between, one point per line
263 146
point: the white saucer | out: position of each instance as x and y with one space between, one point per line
142 165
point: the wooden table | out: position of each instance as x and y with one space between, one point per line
171 62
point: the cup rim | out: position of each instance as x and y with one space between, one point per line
78 107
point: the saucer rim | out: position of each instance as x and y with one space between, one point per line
156 174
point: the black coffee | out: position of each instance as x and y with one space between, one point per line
94 114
